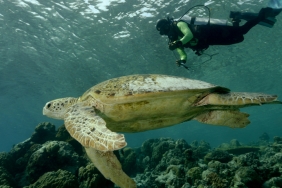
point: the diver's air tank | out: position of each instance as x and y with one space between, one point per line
204 21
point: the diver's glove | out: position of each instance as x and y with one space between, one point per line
180 62
175 44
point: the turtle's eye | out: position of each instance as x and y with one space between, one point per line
48 105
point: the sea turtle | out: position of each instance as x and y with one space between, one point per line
138 103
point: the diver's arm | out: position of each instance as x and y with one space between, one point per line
182 53
188 35
178 45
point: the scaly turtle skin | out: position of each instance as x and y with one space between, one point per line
145 102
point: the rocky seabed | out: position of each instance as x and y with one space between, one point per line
51 158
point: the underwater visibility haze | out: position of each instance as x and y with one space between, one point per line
53 49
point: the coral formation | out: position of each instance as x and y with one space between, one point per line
51 156
89 176
57 160
47 160
60 178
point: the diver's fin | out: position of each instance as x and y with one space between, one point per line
268 17
268 22
275 12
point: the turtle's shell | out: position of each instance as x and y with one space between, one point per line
144 102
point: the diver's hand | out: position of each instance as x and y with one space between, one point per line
175 44
180 62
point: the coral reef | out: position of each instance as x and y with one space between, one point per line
47 160
198 166
51 158
60 178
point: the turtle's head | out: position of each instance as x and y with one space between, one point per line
57 108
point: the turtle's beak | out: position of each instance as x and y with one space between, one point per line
45 111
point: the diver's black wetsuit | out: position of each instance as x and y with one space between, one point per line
226 35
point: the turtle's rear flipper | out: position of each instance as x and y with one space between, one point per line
230 118
110 167
239 99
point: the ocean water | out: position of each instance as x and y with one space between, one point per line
53 49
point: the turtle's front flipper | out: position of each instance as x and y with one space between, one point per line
90 130
230 118
238 99
110 167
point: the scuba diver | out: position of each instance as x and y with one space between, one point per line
199 33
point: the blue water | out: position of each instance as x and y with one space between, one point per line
51 49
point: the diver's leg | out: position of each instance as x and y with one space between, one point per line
224 35
263 14
238 15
